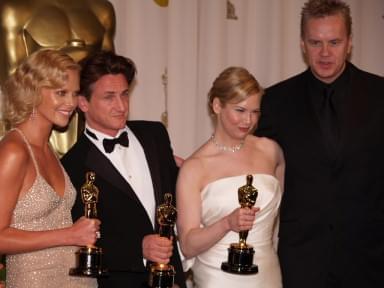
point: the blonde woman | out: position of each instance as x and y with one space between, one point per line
207 188
36 230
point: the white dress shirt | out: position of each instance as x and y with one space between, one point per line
132 165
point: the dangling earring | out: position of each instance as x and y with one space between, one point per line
33 114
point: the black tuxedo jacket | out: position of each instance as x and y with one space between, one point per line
124 221
332 212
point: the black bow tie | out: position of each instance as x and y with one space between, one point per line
109 144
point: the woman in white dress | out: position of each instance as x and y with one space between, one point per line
209 213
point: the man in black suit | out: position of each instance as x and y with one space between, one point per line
329 120
134 167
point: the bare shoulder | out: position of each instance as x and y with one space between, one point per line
264 143
14 163
13 152
194 166
269 148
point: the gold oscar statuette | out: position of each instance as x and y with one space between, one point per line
89 258
77 27
240 255
162 275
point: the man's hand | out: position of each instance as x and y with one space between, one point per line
157 249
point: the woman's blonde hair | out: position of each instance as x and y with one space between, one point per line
21 92
234 84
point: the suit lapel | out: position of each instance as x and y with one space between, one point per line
353 111
355 108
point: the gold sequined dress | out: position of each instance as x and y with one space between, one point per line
41 208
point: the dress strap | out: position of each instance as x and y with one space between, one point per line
29 149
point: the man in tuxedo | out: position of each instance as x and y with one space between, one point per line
134 167
329 120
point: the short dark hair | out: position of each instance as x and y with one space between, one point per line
321 8
103 63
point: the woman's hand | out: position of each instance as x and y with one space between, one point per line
242 219
85 231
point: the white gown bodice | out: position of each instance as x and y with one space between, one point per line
220 198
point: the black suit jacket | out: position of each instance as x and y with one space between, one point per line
124 221
332 212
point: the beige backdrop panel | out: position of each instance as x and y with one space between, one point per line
195 41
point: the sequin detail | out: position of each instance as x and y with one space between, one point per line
41 208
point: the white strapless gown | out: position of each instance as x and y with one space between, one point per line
220 198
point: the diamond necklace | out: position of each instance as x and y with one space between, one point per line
224 148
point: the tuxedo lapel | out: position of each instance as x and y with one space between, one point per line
97 162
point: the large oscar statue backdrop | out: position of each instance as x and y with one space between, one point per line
78 27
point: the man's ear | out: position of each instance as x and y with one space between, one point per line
302 46
82 103
349 51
